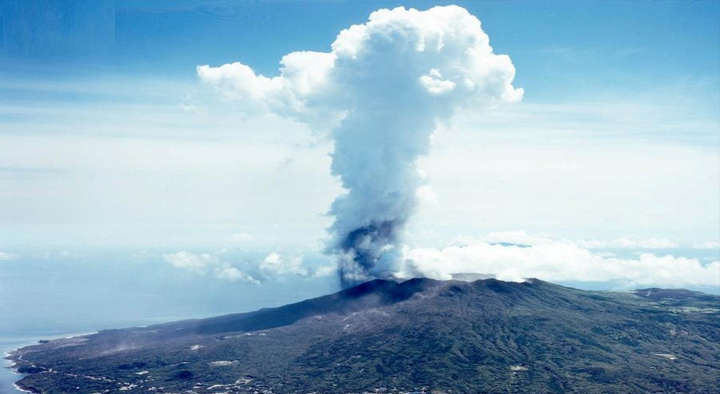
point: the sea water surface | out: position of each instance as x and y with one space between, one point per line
64 294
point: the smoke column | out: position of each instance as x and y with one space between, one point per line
380 93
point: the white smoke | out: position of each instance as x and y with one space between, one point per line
381 92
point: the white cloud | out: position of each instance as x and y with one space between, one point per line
232 274
241 237
190 261
558 260
191 105
521 237
325 270
291 93
426 194
434 83
7 256
63 254
276 265
273 266
706 245
629 243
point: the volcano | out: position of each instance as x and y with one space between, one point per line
422 335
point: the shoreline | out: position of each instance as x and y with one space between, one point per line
11 365
19 387
8 354
11 358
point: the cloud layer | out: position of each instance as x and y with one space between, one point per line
189 261
382 90
201 263
7 256
274 266
523 238
630 262
516 255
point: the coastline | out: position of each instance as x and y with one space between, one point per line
11 380
9 369
19 387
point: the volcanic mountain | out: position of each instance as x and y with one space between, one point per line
421 335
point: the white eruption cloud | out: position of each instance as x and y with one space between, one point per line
380 93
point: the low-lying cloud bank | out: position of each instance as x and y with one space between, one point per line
190 261
510 256
706 245
634 242
7 256
516 255
274 266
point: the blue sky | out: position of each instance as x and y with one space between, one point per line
107 137
621 44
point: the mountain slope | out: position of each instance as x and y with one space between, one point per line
447 336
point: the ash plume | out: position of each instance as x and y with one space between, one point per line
379 93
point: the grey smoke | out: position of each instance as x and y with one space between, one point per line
380 93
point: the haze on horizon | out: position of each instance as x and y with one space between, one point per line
608 171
